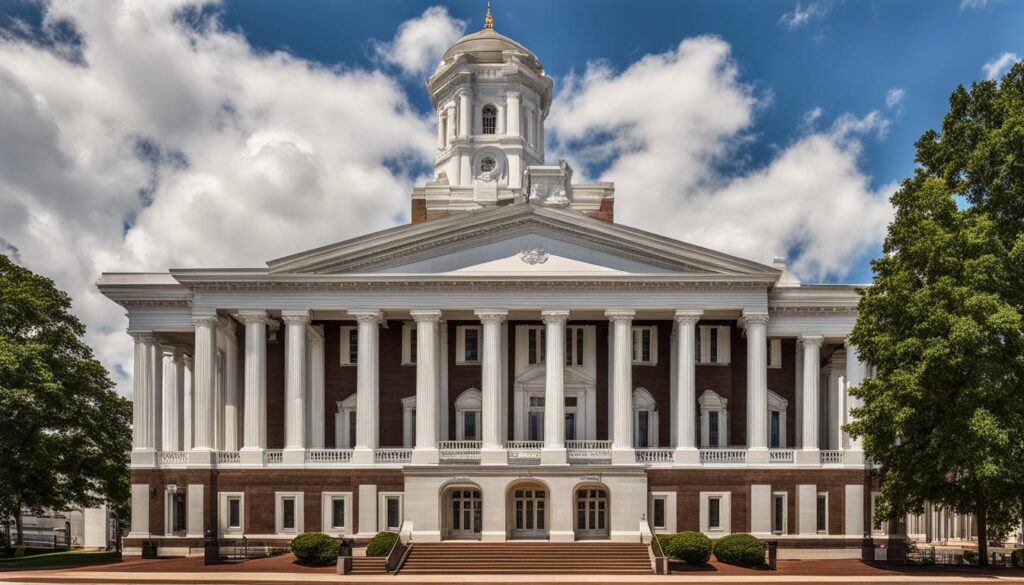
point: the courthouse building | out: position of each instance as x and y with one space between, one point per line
512 364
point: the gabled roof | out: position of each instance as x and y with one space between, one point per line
408 243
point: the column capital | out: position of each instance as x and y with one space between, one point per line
253 316
226 325
315 333
426 315
513 94
754 318
491 315
367 316
620 314
688 316
295 316
812 339
204 317
143 336
554 316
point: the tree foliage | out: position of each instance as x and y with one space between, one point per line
64 431
943 323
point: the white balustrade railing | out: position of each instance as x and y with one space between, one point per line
459 451
588 451
228 457
392 455
329 456
524 451
831 456
273 456
655 455
173 457
723 455
781 455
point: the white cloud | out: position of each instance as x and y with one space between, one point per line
973 4
894 97
999 65
802 15
420 42
170 144
669 129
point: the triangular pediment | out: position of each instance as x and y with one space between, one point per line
516 239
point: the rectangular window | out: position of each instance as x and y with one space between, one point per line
536 426
349 345
713 344
779 513
658 512
536 346
234 512
351 428
715 513
574 346
288 513
338 512
469 425
822 513
643 429
713 428
472 345
645 350
392 513
179 511
775 437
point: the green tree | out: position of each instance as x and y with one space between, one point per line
943 322
64 431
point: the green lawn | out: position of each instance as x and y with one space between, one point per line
58 560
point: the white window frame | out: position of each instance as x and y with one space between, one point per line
342 420
778 404
711 401
409 422
223 513
643 401
408 340
346 332
460 345
723 352
785 513
577 346
724 513
637 340
327 513
279 512
470 400
816 518
382 507
169 511
774 353
542 348
670 511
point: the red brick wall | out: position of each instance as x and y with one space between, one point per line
655 379
460 378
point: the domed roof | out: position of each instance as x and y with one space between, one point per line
485 45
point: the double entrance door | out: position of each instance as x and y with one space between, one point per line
591 513
528 509
467 514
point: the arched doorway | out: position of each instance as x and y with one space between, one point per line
528 510
592 520
463 512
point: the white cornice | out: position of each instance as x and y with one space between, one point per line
144 289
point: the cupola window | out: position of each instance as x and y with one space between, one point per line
490 119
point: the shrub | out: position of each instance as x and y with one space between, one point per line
970 557
380 545
692 547
667 542
316 549
740 549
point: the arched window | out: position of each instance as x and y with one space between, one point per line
490 119
714 420
467 415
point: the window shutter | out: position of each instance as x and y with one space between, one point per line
724 354
654 344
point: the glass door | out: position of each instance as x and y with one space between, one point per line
591 513
467 514
528 511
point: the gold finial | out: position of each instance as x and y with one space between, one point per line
488 20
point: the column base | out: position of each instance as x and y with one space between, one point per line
623 456
293 456
757 455
202 457
808 456
251 456
493 456
425 456
687 456
553 456
363 456
143 458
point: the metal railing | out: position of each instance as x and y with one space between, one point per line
589 451
329 456
392 455
781 455
831 456
723 455
655 455
524 452
459 451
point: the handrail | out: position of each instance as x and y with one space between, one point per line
659 560
396 556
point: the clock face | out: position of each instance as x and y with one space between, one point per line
487 164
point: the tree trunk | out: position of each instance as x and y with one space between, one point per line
19 529
982 533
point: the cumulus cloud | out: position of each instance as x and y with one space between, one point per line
894 97
154 138
668 131
996 67
802 15
419 43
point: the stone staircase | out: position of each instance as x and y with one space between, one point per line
368 566
538 558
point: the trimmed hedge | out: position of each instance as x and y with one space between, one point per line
380 545
740 549
316 549
691 547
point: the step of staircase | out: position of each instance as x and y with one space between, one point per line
504 558
368 566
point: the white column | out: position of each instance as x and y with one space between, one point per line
367 386
295 385
187 406
554 389
173 394
513 112
442 381
426 386
837 400
492 451
205 380
622 385
255 440
856 372
500 126
316 388
156 359
450 118
143 427
440 130
798 378
757 386
812 359
231 391
686 391
465 110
